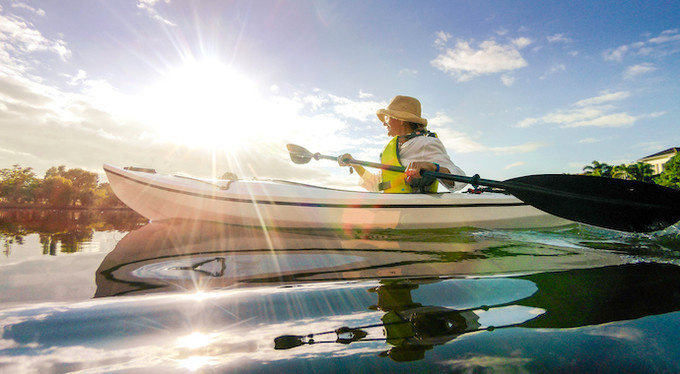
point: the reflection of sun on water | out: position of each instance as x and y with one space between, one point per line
201 104
195 340
194 363
192 358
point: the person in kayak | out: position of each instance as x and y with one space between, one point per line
412 145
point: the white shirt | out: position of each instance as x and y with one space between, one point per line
420 148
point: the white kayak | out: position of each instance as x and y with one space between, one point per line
273 203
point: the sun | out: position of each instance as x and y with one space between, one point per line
200 104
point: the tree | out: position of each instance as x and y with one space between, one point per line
57 191
621 172
61 187
18 185
598 169
641 171
83 184
105 198
670 177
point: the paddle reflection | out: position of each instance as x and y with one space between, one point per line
575 298
410 328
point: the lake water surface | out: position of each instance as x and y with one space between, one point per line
108 292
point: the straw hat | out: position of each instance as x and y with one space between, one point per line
404 108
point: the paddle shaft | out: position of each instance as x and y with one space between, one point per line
617 204
474 180
401 169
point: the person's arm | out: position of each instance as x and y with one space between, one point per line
425 153
369 181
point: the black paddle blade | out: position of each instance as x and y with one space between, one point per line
299 155
288 342
605 202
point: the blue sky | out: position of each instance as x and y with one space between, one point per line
204 87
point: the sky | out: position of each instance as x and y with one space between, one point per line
206 87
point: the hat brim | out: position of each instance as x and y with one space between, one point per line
404 116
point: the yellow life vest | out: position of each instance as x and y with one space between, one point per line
397 330
394 181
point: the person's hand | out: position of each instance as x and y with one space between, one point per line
346 156
414 169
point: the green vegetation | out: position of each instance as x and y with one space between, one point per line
598 169
671 175
60 187
639 171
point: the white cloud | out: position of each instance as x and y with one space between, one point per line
365 95
666 36
481 363
566 117
559 38
596 111
460 142
609 120
617 332
465 61
521 42
604 98
556 68
655 114
615 54
408 73
521 148
149 6
315 101
18 39
666 43
25 6
79 78
635 71
651 147
508 79
514 165
441 39
527 122
361 110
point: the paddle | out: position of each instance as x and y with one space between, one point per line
604 202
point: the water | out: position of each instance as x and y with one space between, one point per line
107 292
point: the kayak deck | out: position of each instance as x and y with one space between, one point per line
290 204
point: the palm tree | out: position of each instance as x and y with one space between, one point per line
598 169
641 171
621 172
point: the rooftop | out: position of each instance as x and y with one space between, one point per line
667 151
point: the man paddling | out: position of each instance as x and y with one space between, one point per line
411 144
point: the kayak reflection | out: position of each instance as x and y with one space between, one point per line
185 255
398 294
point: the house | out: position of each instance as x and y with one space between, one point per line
659 159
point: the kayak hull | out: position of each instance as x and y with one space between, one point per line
287 204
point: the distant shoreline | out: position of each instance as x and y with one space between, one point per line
52 207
